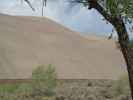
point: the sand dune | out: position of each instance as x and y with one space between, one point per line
26 42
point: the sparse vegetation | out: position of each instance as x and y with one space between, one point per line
121 87
96 90
44 86
41 87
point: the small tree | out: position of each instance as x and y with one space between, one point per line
44 80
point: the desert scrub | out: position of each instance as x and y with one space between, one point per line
121 87
44 80
41 87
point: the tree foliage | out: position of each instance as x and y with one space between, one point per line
115 8
119 8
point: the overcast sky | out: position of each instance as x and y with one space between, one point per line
77 18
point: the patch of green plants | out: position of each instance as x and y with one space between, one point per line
44 80
8 88
24 88
42 86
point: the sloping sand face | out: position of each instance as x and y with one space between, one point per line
26 42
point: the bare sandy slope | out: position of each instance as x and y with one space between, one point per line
26 42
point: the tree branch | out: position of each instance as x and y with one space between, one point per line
44 3
79 1
94 4
30 5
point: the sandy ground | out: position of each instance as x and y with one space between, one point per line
26 42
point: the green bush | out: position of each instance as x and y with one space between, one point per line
44 80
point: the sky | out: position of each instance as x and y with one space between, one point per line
77 18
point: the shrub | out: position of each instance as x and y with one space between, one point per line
44 80
121 86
